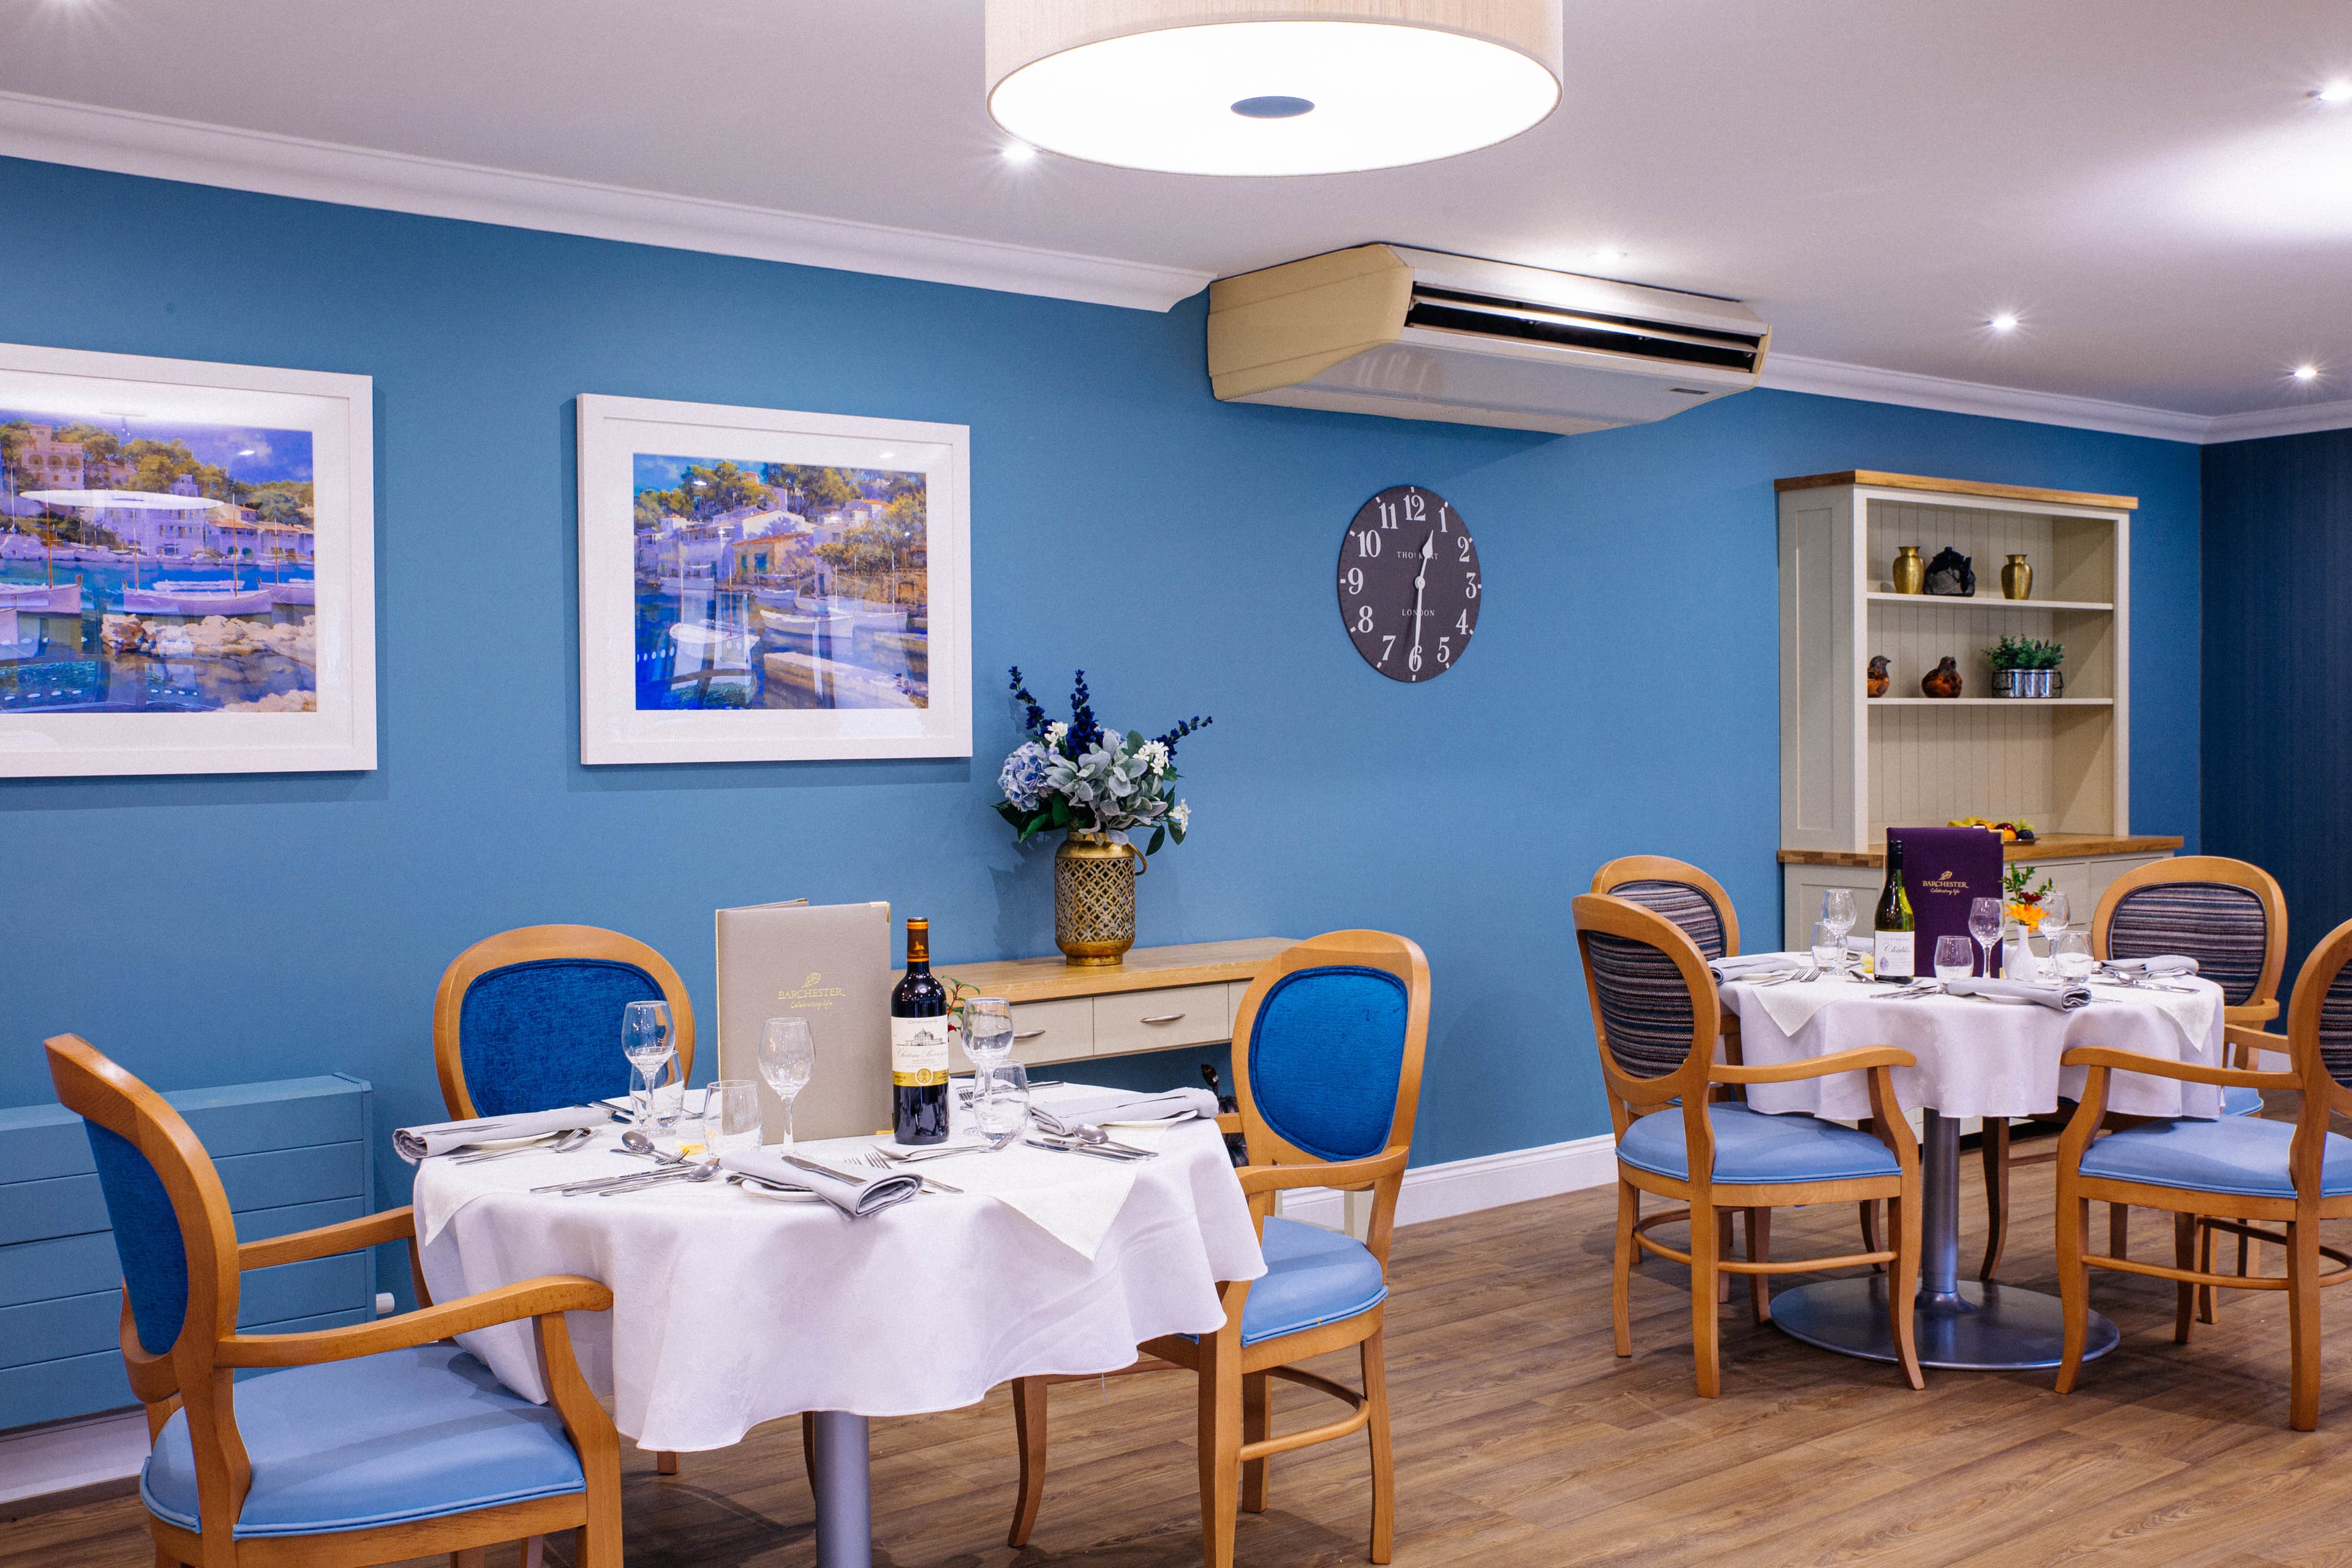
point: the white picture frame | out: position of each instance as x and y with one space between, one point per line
621 439
137 393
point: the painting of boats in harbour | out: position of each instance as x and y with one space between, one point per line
155 565
780 586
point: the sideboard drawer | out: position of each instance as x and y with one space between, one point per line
1058 1031
1129 1021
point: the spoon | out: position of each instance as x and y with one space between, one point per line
562 1143
684 1172
637 1143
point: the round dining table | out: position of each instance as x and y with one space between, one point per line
1976 1056
734 1305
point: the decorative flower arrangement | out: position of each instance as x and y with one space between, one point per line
2025 894
2025 653
1079 776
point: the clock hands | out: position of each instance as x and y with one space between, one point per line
1420 583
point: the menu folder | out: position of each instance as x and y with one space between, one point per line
829 964
1945 869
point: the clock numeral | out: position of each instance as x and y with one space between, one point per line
1367 543
1388 514
1353 582
1363 617
1443 508
1444 653
1415 509
1464 541
1470 587
1462 623
1413 661
1387 643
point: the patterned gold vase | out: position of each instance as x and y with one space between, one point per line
1094 898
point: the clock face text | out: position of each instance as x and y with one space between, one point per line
1408 583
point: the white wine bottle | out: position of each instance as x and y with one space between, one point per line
1892 926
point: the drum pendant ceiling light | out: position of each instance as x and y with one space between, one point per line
1225 87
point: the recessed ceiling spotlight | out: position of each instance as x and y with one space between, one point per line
2339 91
1019 153
2306 372
1607 255
2004 322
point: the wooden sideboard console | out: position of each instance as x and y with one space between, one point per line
1161 999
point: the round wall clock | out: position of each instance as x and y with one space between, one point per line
1408 583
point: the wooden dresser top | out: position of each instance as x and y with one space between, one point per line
1146 969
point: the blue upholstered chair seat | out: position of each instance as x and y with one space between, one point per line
1313 1276
1751 1148
2242 1102
2244 1155
382 1440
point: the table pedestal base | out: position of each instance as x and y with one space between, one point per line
845 1527
1980 1328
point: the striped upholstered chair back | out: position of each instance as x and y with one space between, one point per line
2226 914
1653 999
1682 892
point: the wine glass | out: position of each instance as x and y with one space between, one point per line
2054 914
787 1060
1955 958
1837 914
2070 951
1985 916
988 1031
648 1042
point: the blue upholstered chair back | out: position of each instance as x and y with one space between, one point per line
1684 903
147 1238
548 1033
2224 928
1325 1056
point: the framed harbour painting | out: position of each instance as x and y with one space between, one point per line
186 567
763 585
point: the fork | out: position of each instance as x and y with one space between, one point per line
555 1143
875 1159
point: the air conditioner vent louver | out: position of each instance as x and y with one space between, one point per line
1421 335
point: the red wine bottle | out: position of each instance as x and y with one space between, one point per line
919 1046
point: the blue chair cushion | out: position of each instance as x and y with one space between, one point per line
1325 1058
2242 1102
351 1445
147 1239
2244 1155
1313 1276
535 1035
1751 1148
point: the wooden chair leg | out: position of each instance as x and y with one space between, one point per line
2205 1293
1376 1395
534 1552
472 1557
1995 1175
2184 1294
1257 1410
1722 1249
1029 1428
1621 1266
665 1463
1705 1234
2074 1286
1759 1250
808 1449
2303 1323
1905 1220
2119 1230
1219 1440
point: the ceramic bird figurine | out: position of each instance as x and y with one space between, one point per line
1879 679
1944 680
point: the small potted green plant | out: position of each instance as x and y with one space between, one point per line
2026 667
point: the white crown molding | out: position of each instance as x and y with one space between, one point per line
2303 421
1828 378
127 143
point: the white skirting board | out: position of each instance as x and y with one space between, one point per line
1486 1182
60 1456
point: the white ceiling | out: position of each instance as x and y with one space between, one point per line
2144 182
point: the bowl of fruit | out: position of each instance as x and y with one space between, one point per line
2011 832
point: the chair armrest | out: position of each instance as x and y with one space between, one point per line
2251 1038
1353 1174
1819 1066
2252 1013
350 1235
525 1299
2188 1072
1229 1121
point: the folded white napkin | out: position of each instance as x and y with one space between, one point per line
2065 997
852 1196
1861 944
2155 964
1753 967
417 1143
1070 1111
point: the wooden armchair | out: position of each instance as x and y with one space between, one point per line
2246 1172
1655 1013
2231 917
1326 1057
429 1453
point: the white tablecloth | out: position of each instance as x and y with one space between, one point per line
1979 1057
731 1310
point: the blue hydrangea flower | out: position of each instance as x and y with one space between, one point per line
1023 778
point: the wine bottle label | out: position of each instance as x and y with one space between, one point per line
919 1051
1892 955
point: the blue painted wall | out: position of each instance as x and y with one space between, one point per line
2278 670
1621 695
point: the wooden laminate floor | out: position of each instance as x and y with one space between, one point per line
1520 1439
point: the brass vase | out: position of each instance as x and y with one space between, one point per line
1910 572
1094 898
2017 578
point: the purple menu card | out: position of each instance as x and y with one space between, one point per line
1944 870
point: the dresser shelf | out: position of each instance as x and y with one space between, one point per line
1990 701
1982 602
